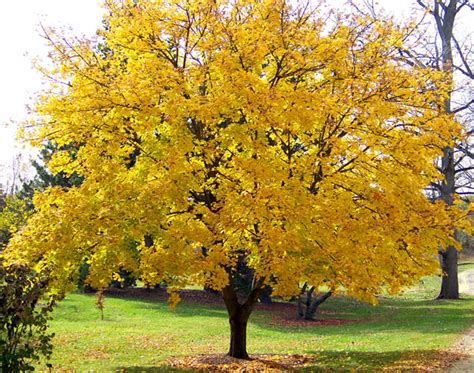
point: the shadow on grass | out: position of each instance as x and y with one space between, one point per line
392 315
379 336
362 361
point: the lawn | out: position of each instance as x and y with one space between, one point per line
138 335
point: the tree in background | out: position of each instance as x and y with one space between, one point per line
447 51
43 177
262 132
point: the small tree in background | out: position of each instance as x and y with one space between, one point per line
308 303
99 302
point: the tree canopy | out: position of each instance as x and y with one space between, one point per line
249 129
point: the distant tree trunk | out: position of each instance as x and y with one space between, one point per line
449 282
448 255
444 13
444 16
239 313
307 307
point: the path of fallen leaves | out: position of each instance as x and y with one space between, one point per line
466 344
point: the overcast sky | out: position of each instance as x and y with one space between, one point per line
20 42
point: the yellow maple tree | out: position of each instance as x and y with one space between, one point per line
253 131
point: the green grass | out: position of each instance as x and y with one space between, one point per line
137 334
466 266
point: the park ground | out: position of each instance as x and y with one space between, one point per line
140 334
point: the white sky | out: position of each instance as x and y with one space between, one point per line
20 42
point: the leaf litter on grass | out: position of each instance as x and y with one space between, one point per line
257 363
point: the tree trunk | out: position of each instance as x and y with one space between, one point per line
313 306
449 255
238 335
445 15
307 308
239 314
449 282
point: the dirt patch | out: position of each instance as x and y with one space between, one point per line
257 363
465 348
191 296
284 314
284 320
279 313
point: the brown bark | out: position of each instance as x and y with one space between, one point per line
238 334
239 314
449 255
307 308
314 304
444 14
449 282
444 17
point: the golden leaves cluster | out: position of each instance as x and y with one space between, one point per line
252 128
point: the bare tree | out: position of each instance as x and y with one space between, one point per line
13 173
454 56
439 41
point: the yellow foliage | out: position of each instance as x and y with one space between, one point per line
13 215
256 130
